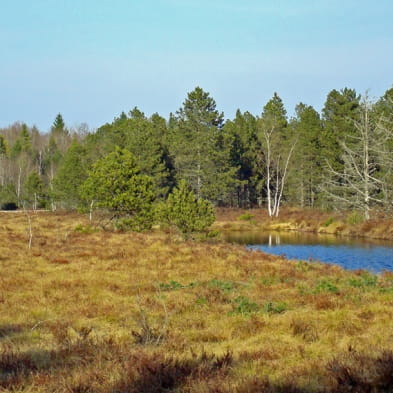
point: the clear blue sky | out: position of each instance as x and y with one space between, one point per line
92 59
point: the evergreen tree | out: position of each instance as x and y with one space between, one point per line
201 152
186 212
58 125
305 172
60 134
116 185
243 156
70 175
34 193
339 114
144 138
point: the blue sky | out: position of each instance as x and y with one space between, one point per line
90 60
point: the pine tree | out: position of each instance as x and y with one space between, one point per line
339 114
202 154
186 212
70 175
58 124
305 171
116 185
34 193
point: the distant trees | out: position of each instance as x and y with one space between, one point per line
341 158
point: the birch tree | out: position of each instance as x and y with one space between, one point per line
278 147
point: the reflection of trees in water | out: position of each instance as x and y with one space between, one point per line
296 238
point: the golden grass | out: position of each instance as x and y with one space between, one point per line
88 311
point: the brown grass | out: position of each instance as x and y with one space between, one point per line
124 312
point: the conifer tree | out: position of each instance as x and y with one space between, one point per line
186 212
70 175
115 184
201 152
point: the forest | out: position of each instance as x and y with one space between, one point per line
341 158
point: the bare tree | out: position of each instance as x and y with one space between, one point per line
361 183
277 159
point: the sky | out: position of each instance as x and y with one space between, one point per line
92 59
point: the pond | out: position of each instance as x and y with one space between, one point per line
350 253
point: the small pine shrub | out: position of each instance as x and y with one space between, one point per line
246 217
186 212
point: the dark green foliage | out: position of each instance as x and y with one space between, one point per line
339 113
8 197
186 212
116 184
23 143
3 146
225 162
34 191
58 125
201 149
71 174
145 139
306 169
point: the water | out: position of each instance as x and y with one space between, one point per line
350 253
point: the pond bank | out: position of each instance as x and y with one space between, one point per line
291 219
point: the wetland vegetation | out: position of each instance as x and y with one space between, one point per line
87 310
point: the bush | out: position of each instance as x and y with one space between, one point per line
246 217
186 212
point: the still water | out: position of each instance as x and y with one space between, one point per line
350 253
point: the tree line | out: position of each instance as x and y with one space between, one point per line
339 158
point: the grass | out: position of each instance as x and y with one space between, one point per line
94 311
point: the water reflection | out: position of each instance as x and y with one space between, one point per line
351 253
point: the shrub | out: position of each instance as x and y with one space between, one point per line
246 217
186 212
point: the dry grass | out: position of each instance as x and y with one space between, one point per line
87 311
